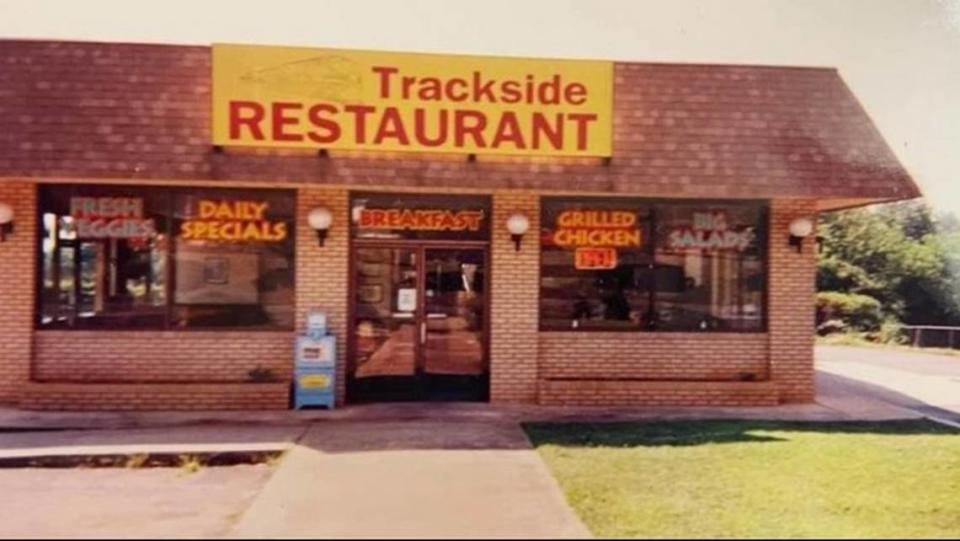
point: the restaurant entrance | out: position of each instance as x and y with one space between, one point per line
418 313
419 323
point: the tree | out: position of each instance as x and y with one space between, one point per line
898 254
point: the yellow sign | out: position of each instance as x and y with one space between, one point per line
593 228
314 381
232 221
366 100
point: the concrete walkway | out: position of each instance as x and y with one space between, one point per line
412 479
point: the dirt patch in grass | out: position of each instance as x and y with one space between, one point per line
186 461
758 479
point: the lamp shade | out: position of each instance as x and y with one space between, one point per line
801 227
6 213
356 212
320 219
518 224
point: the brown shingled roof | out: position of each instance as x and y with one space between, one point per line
129 111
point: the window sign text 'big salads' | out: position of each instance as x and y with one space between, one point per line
709 231
366 100
110 218
228 220
596 235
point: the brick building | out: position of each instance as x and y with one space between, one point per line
152 266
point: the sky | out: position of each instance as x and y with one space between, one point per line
900 57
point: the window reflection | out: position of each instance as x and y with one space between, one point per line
698 267
112 257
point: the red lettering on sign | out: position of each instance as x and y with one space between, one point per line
360 113
582 120
246 113
281 118
462 128
449 90
384 73
391 126
595 258
420 128
330 129
542 128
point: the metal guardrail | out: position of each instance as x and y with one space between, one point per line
933 336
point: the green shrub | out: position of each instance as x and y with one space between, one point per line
859 312
890 332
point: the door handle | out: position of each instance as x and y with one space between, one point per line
423 332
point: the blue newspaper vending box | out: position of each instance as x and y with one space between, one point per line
315 373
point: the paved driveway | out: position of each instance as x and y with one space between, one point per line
879 379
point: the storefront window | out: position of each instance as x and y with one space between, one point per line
633 264
595 265
710 267
117 257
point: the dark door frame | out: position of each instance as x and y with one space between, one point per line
420 247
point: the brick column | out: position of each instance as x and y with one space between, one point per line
515 278
322 278
17 285
791 302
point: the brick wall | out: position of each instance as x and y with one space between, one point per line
322 280
657 393
674 356
17 289
514 292
792 287
159 356
153 396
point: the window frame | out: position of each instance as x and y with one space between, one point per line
169 193
651 204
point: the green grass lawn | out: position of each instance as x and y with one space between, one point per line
758 479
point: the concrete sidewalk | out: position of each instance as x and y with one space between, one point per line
412 479
12 419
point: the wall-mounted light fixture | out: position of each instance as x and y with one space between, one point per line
517 225
800 229
6 221
320 219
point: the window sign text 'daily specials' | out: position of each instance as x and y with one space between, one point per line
595 236
366 100
110 218
231 220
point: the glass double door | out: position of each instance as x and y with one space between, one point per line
419 324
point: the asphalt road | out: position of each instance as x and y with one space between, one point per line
925 383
